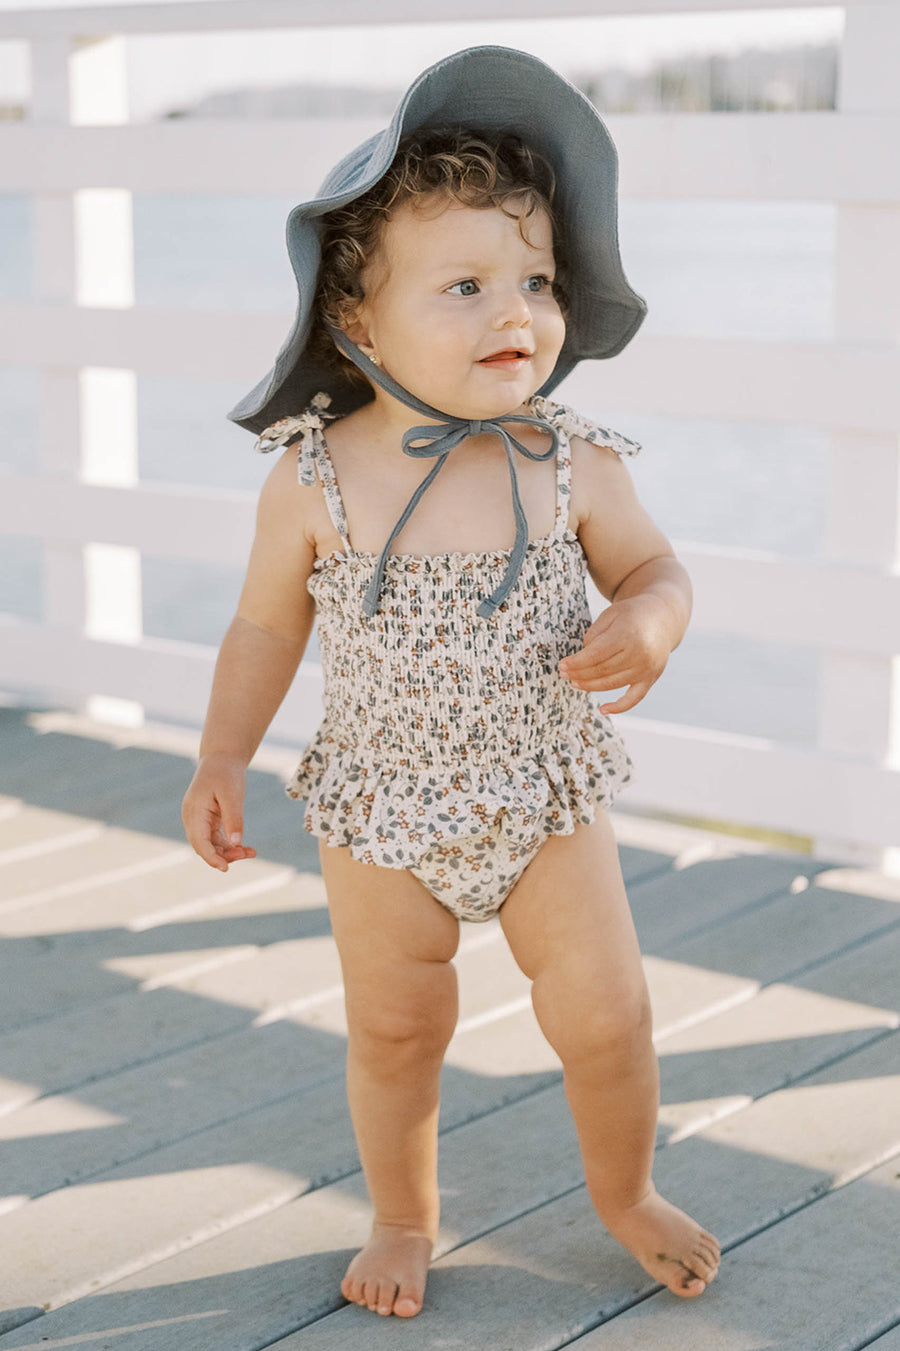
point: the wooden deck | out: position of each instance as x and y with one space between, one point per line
179 1167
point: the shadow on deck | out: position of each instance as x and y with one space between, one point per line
179 1164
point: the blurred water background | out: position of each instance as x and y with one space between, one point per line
711 269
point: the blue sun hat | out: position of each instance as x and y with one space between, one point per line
490 89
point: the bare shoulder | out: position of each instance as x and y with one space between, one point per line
599 477
285 504
615 532
274 595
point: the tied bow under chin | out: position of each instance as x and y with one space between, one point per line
437 443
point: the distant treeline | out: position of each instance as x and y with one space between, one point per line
755 80
758 79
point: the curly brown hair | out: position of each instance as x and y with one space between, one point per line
474 168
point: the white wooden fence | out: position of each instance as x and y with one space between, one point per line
81 161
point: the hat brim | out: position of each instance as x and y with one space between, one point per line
490 88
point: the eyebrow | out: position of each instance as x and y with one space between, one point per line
472 265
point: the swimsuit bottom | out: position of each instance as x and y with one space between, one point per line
471 876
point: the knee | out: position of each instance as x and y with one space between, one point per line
406 1022
590 1025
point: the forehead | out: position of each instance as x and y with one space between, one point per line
434 228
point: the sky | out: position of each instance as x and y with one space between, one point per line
174 71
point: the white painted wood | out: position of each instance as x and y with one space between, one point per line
208 16
54 284
864 492
50 74
790 600
189 156
53 247
170 678
832 384
175 522
868 71
757 782
859 707
807 156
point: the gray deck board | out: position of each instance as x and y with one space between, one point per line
172 1099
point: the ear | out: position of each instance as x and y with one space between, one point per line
357 331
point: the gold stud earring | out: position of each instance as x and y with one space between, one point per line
374 359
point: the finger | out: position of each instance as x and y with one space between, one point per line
232 820
200 828
233 852
590 656
603 680
633 695
204 847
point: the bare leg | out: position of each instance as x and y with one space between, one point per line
570 930
395 944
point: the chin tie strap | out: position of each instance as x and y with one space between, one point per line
436 442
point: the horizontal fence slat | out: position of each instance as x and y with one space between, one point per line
696 772
833 385
171 521
236 157
216 15
800 156
742 592
777 599
795 156
171 679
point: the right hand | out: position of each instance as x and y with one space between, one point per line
212 811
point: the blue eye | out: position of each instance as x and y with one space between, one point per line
539 277
467 282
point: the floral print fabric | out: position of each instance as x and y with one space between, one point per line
450 743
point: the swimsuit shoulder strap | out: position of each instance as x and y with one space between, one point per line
313 459
573 423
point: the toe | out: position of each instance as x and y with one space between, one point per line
371 1295
407 1302
350 1289
704 1264
386 1292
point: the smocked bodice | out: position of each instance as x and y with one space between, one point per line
428 692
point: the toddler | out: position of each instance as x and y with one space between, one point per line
451 271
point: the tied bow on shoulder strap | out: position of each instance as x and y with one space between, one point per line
436 442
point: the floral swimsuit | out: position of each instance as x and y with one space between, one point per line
451 746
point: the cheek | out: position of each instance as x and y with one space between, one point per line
554 329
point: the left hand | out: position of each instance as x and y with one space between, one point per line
628 644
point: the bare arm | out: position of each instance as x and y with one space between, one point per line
257 661
632 564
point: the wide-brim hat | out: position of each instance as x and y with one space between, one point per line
485 88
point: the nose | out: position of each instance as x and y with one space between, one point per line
512 309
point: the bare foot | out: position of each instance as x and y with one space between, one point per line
388 1274
668 1244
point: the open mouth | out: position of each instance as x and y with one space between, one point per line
509 356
